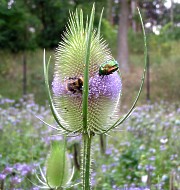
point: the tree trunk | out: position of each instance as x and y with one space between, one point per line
148 80
24 59
133 10
109 11
123 51
24 73
172 13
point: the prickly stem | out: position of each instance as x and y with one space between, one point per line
86 161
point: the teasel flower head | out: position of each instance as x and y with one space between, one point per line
68 83
87 84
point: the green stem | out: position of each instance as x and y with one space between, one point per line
86 71
86 161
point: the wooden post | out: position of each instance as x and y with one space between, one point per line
24 73
148 80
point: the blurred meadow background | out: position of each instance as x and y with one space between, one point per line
145 152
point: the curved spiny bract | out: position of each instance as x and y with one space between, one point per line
122 119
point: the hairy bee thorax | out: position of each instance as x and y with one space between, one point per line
74 84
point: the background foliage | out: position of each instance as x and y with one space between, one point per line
32 25
147 145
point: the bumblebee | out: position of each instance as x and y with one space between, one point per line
108 67
74 84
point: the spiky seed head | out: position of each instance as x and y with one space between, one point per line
104 91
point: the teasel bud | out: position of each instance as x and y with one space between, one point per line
68 83
59 171
58 166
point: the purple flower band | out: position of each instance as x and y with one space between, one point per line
109 86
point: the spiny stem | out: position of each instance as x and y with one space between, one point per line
86 161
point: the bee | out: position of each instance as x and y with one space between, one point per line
74 84
108 67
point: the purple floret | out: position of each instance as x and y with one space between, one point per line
8 170
16 180
108 85
58 87
2 176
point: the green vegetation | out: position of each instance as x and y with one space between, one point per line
144 152
35 30
145 146
164 73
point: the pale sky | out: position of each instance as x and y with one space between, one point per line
168 3
156 29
